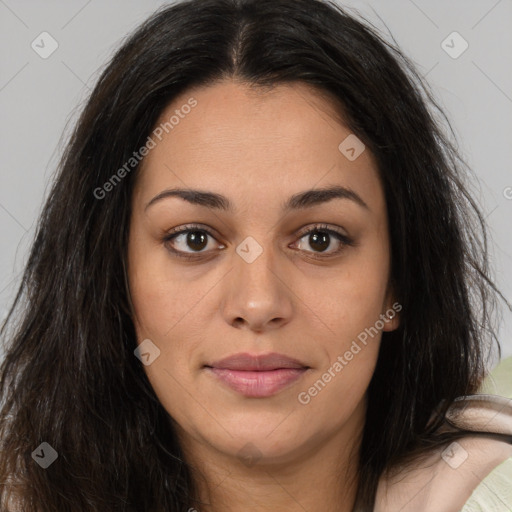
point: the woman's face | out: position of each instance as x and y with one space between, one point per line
259 279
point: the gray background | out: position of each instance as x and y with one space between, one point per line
40 99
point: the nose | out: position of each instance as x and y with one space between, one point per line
257 293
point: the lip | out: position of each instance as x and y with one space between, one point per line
258 376
258 362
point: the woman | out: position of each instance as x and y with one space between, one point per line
251 284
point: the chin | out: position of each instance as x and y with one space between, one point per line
270 446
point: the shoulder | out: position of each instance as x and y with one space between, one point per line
494 494
446 479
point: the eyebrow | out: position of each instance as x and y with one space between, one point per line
299 201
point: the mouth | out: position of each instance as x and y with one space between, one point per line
258 376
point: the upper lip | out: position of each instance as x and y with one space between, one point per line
259 362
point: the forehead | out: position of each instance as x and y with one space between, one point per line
257 143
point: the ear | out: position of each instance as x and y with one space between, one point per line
391 310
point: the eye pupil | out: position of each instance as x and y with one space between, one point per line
197 237
320 241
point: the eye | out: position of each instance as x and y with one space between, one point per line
195 238
321 239
192 236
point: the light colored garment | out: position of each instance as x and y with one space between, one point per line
494 493
473 474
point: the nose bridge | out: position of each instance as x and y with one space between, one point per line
256 292
255 263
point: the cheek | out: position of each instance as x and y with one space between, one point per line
161 313
160 299
349 351
161 309
352 299
154 310
337 393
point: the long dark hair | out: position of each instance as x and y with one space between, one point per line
70 377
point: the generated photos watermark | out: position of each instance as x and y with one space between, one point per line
304 397
133 161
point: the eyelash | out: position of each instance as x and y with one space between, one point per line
322 228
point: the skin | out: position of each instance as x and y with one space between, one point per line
258 148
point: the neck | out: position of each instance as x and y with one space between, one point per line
322 475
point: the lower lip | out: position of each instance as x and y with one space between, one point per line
258 384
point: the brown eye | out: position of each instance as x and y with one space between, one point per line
321 239
188 242
196 240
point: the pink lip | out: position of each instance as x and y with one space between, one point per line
258 376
